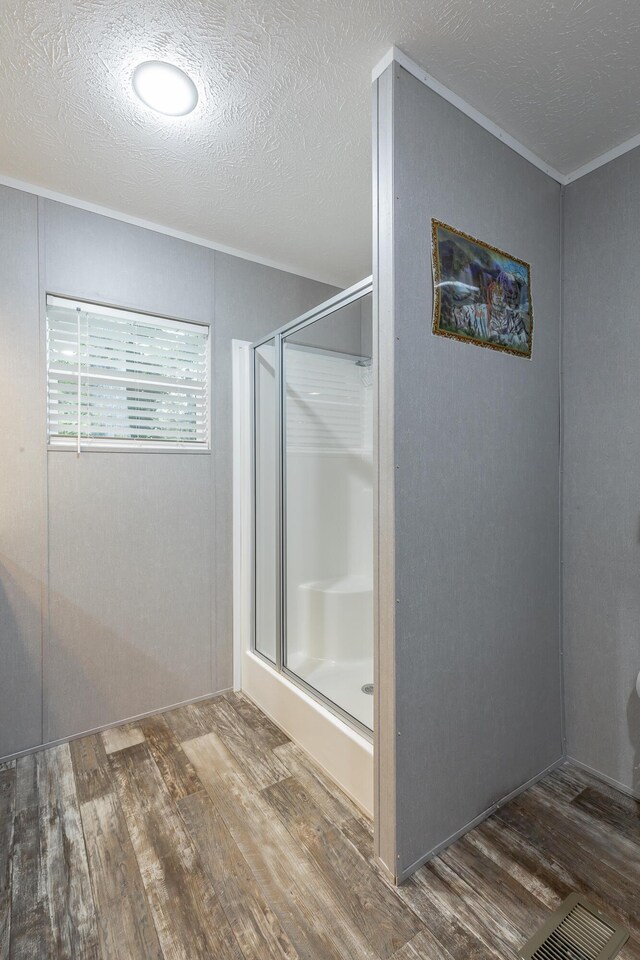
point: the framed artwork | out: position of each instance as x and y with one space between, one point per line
481 294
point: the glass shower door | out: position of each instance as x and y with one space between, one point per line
313 503
328 508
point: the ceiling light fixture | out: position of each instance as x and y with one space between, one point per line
165 88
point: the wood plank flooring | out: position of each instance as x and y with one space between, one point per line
205 833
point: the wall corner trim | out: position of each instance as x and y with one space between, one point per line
385 819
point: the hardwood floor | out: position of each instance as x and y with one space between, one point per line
206 833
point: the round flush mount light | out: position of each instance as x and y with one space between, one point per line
165 88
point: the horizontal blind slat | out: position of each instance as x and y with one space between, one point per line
126 379
62 400
120 362
90 354
117 420
110 386
65 332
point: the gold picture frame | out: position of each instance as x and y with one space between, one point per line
481 294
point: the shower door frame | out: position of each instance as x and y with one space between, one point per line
343 299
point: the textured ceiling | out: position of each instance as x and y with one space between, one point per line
276 159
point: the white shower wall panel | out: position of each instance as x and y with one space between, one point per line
329 551
329 525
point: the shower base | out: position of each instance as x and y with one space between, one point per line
339 682
344 754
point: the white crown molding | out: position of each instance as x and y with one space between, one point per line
397 55
603 159
160 228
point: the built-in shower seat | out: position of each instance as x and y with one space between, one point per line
338 617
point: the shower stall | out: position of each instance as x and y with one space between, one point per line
312 472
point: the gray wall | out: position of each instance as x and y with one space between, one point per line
601 485
127 576
130 560
477 674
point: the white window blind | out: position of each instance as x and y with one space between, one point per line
118 378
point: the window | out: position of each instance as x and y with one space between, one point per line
123 379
